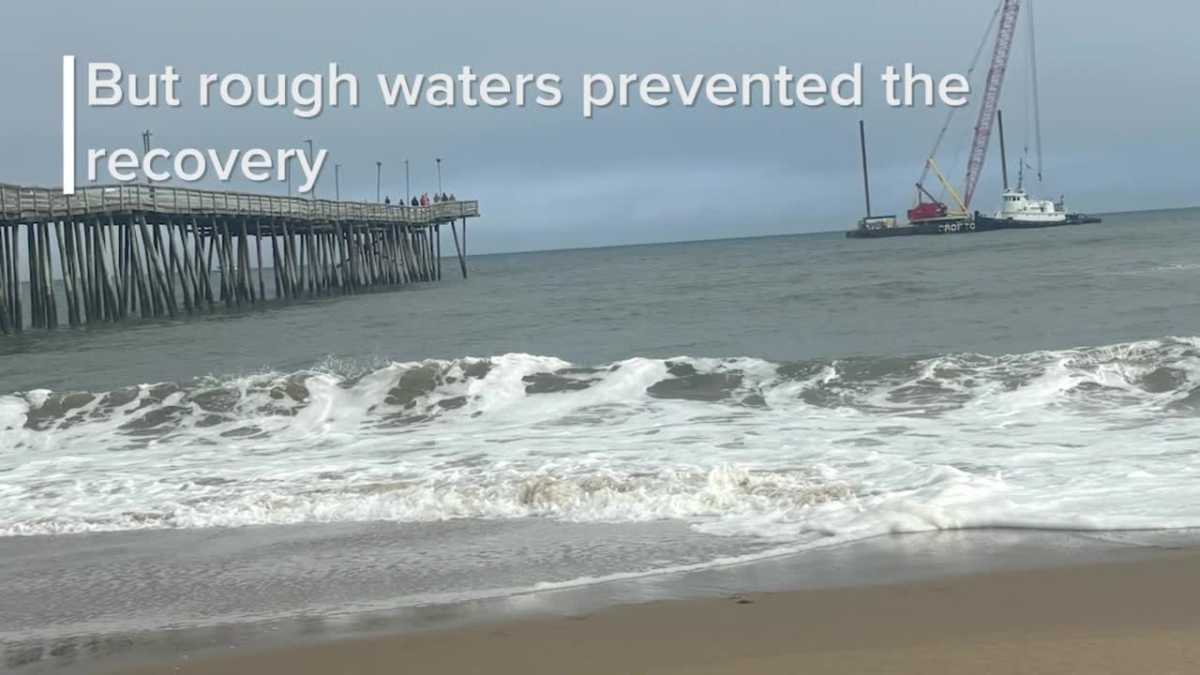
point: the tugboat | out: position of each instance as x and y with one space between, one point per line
1018 211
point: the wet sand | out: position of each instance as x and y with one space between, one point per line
1139 615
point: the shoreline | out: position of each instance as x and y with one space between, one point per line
889 562
1135 613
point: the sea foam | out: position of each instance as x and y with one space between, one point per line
799 453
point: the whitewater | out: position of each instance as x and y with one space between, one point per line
796 454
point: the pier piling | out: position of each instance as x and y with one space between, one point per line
113 253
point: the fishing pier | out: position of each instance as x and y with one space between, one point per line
123 252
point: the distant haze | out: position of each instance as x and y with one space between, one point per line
1119 99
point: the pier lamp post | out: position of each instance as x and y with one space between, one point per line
378 180
407 185
146 150
337 181
312 193
439 168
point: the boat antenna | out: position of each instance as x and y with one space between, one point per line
862 143
1003 153
1037 112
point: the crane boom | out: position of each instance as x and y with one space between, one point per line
991 96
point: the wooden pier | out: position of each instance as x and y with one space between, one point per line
114 253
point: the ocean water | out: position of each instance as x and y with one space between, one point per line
568 416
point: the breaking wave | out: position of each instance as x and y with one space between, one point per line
1090 438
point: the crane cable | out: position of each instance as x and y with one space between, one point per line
1027 121
1037 111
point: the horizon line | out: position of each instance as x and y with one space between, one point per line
701 240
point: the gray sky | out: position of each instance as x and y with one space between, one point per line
1120 94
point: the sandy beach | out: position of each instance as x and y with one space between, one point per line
1139 616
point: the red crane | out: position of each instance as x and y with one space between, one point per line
991 96
934 209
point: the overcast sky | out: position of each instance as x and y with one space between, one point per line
1120 92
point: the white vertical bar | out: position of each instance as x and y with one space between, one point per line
68 146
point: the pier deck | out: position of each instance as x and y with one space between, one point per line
112 253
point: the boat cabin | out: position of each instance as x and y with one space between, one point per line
1018 206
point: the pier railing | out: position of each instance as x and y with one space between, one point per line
27 204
